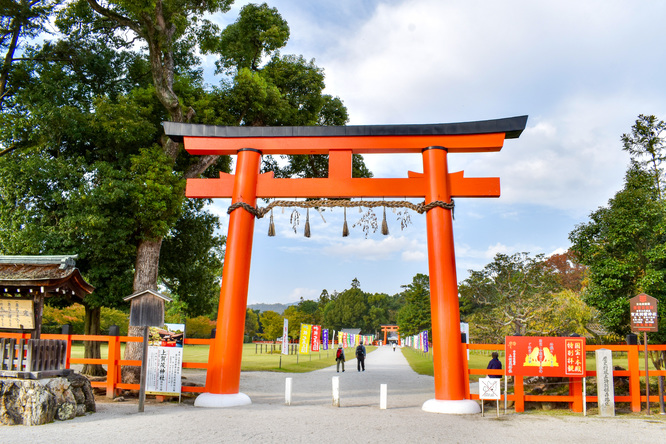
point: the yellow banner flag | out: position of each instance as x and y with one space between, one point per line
304 342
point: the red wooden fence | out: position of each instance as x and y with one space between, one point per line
575 396
113 362
114 384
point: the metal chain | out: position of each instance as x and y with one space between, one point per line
419 208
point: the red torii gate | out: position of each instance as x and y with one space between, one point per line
435 184
390 328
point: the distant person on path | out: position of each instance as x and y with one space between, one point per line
360 357
394 346
340 358
494 364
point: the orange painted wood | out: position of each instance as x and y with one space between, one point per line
448 358
634 379
468 143
576 391
112 366
519 394
224 364
336 187
340 164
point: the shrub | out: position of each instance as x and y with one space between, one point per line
199 327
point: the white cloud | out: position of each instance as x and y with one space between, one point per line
388 248
305 293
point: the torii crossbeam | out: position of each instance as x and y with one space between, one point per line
435 184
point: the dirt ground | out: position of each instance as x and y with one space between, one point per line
311 418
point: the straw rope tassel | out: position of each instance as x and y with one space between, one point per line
345 228
385 230
271 226
307 223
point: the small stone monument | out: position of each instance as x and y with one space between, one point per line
605 388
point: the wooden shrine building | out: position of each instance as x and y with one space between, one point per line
26 281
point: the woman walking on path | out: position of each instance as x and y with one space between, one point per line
340 358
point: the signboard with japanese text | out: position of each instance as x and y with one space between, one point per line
285 337
18 314
164 369
545 356
304 342
644 316
324 340
316 337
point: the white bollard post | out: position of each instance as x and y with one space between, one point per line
383 395
287 391
336 391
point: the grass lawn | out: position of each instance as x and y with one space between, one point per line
253 360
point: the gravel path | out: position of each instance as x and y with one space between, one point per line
312 419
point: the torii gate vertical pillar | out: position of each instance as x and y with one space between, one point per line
449 367
223 374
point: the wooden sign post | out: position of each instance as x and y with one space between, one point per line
644 317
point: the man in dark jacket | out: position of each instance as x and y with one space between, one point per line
360 357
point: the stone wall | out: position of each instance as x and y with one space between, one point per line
36 402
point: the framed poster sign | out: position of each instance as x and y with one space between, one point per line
545 356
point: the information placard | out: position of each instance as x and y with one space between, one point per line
17 314
644 315
164 369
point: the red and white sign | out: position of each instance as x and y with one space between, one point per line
644 315
316 338
545 356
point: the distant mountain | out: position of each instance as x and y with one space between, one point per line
278 308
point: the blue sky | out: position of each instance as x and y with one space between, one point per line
582 71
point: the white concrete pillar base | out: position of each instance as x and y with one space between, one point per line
461 407
213 400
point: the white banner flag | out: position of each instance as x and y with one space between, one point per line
285 337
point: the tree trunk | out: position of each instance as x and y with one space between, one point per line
92 348
145 278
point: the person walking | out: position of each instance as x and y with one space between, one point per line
340 358
394 346
360 357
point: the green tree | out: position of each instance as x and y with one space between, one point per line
347 309
623 243
645 144
508 297
20 21
414 316
251 323
272 324
623 248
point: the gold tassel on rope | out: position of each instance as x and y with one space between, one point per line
271 226
345 228
385 230
307 223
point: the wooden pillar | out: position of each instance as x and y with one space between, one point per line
446 344
576 390
223 375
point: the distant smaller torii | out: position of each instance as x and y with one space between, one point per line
390 328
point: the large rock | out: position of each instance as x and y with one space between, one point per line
35 402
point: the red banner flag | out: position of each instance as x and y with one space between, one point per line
316 336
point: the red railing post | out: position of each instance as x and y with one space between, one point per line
576 390
68 353
113 369
518 394
634 378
